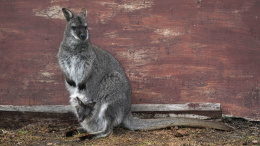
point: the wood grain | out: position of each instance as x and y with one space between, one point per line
172 51
188 110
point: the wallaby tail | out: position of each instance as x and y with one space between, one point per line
134 123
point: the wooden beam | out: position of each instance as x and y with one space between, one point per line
177 107
23 115
41 108
135 108
188 110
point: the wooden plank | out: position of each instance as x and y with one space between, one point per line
189 110
17 116
135 108
176 107
45 109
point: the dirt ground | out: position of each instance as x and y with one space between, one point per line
246 133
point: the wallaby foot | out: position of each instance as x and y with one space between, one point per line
107 132
88 136
92 136
72 132
101 135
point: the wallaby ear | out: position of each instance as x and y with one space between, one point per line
83 12
79 101
91 105
67 14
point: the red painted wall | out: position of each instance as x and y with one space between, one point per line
172 51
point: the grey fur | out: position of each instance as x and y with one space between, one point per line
93 74
84 110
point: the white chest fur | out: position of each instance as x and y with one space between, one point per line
75 69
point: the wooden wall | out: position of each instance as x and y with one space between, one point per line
173 51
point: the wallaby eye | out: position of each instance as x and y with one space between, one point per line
86 27
73 27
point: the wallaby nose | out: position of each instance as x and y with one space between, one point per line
83 36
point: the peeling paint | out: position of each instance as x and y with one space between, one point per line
47 81
106 3
105 17
168 32
111 34
53 12
154 94
7 31
55 1
136 5
248 4
139 56
26 84
46 77
47 74
129 6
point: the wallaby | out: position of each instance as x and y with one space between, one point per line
99 89
84 110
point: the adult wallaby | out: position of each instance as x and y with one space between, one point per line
94 77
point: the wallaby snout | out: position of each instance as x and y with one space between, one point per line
80 120
82 37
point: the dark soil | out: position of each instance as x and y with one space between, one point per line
246 133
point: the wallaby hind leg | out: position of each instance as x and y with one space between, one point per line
108 130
